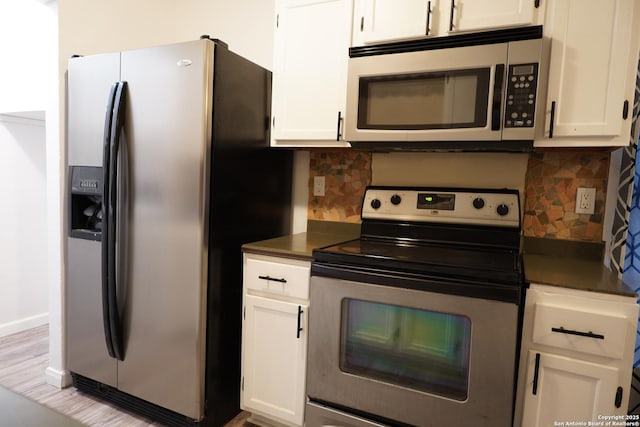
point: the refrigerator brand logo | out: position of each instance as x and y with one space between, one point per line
184 63
88 183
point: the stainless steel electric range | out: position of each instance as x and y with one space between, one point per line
417 321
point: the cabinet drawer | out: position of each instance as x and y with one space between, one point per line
582 330
277 276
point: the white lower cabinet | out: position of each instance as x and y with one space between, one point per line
576 356
567 389
274 339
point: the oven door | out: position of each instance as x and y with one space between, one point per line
397 355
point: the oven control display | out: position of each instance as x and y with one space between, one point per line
442 202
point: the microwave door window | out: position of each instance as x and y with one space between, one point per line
418 349
443 100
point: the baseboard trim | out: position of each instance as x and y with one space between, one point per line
21 325
57 378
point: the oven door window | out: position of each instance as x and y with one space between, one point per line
437 100
418 349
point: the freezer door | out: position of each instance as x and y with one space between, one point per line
89 82
168 137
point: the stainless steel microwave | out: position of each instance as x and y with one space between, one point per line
484 96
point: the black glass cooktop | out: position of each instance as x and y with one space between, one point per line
473 262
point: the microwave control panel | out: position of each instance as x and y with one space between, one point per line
522 84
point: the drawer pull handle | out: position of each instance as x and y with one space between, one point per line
273 279
300 311
580 334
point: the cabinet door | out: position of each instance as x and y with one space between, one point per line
311 52
470 15
567 389
589 68
379 21
274 357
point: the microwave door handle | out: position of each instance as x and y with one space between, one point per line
496 104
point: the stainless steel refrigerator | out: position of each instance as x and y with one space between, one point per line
170 171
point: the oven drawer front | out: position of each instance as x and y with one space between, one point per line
277 276
580 329
484 392
322 416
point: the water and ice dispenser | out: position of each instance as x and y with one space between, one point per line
86 202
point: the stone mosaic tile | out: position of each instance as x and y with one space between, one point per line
347 174
552 180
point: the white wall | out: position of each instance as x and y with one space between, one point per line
466 170
23 246
96 26
28 46
92 26
28 40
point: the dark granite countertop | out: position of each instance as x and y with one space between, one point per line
571 264
564 263
300 246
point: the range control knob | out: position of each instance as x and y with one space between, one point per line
502 209
478 203
375 204
395 199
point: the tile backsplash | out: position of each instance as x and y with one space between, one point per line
551 182
347 173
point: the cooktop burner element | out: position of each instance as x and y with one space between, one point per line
461 233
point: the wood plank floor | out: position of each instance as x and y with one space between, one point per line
23 360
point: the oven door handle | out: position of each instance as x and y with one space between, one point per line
299 329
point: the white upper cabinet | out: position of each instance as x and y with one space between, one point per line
594 53
475 15
377 21
311 52
380 21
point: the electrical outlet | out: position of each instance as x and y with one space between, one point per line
318 185
585 200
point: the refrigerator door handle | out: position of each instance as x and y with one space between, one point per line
110 247
117 125
106 223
